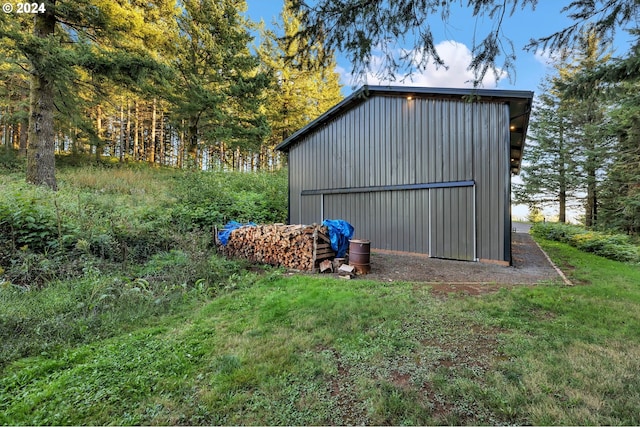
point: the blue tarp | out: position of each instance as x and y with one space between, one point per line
340 232
223 235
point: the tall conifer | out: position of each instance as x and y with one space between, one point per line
304 88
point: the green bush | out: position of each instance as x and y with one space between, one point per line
26 224
617 247
118 219
9 160
206 199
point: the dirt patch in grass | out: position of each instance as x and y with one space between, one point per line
446 289
427 376
349 411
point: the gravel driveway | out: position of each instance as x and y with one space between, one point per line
530 266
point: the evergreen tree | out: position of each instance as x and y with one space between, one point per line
620 198
621 187
549 174
14 100
219 94
102 38
302 90
569 150
356 28
588 113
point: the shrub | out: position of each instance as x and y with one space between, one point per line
206 199
117 219
612 246
9 160
27 223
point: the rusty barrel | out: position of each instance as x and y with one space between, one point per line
359 255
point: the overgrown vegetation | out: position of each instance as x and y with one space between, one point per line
112 248
111 216
618 247
174 334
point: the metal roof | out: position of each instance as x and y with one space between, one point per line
519 110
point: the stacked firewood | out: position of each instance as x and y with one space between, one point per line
299 247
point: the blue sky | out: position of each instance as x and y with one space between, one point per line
455 39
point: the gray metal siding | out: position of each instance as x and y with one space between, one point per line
452 222
311 209
491 170
393 220
393 141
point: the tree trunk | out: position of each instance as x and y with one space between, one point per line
151 149
562 178
24 132
161 139
192 141
121 156
16 136
222 157
41 146
128 133
591 166
591 208
180 159
136 131
562 216
5 141
41 168
98 145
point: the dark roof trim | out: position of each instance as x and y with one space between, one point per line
397 187
512 97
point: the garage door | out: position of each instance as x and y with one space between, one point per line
452 226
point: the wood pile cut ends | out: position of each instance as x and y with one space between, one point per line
299 247
326 265
346 271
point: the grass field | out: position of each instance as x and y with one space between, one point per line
185 337
306 350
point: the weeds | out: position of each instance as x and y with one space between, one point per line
121 216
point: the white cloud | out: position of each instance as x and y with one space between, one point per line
456 73
549 58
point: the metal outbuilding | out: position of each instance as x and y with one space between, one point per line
414 169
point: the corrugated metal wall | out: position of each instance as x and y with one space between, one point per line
388 141
396 220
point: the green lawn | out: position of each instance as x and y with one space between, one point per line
274 348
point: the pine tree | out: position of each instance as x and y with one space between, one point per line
569 150
357 28
587 120
621 189
101 38
219 92
549 174
14 100
620 194
303 88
